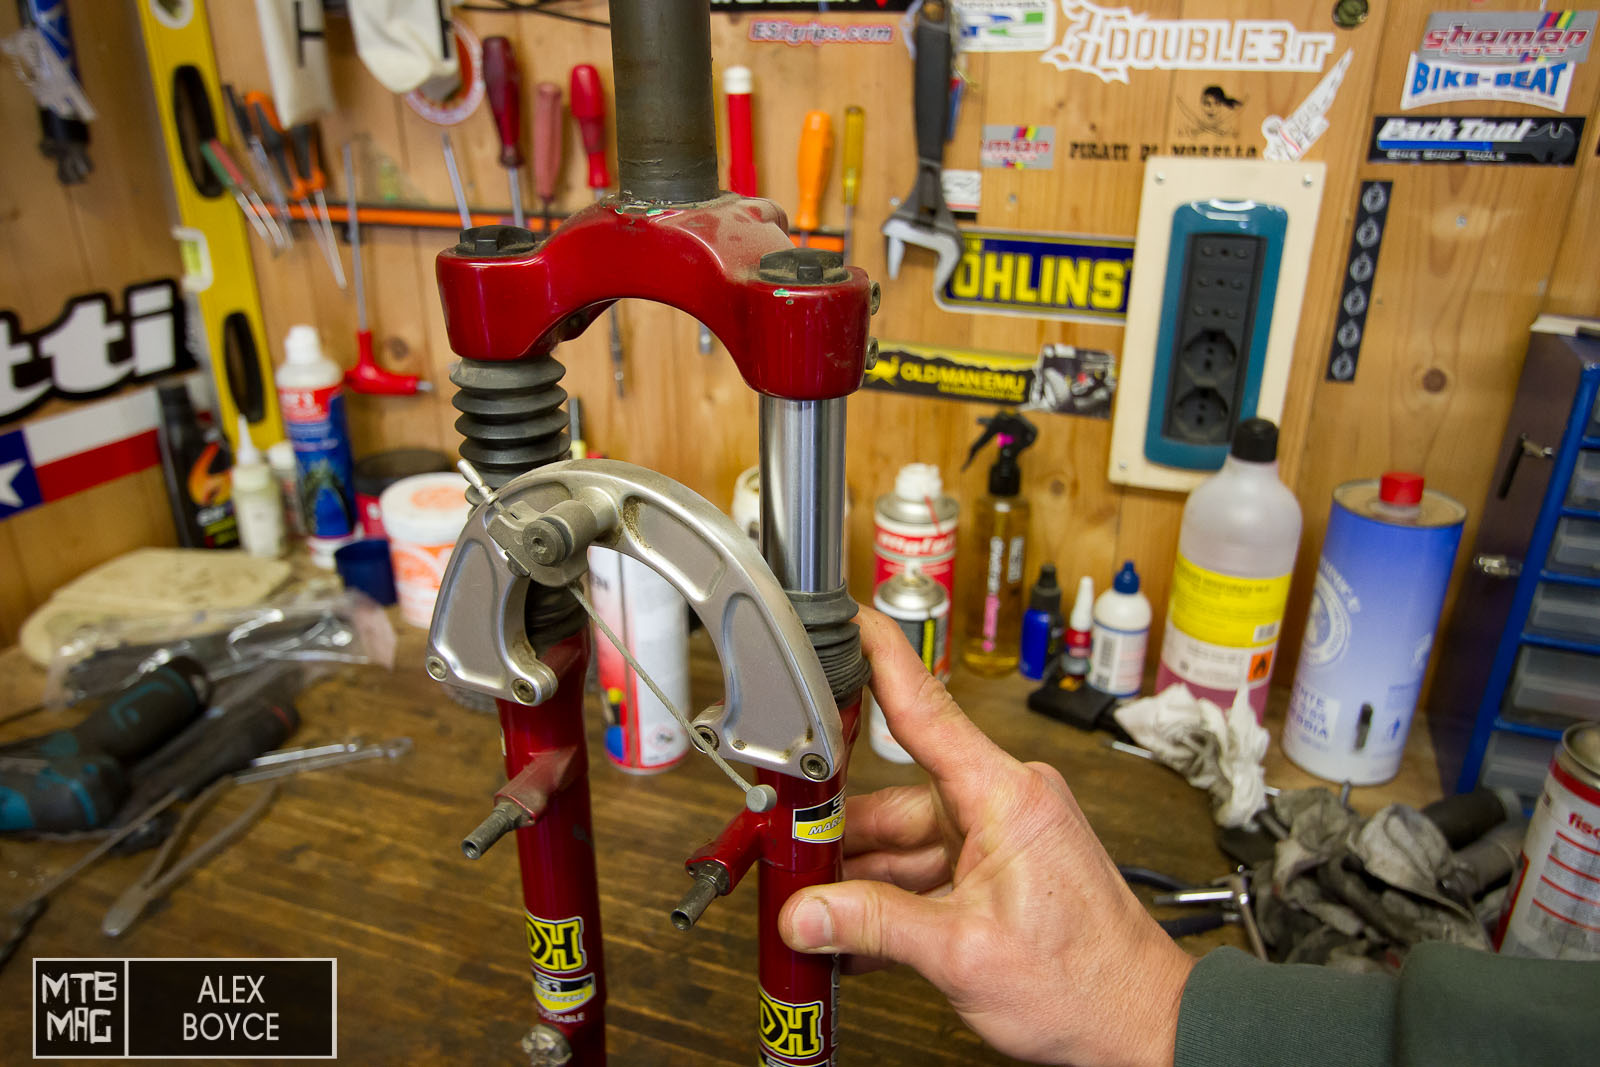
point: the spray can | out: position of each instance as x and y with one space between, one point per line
1550 909
915 526
311 394
649 616
1380 586
922 608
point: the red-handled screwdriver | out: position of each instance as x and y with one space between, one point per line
502 80
547 148
736 85
588 101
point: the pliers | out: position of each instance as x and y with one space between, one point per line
1228 899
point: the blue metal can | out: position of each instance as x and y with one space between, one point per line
1380 586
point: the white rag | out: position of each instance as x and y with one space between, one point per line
1215 750
405 43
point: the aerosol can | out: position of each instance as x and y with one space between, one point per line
914 528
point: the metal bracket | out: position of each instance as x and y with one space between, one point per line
778 710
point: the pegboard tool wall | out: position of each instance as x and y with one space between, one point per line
1473 254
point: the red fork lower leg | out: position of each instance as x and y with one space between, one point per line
801 847
560 891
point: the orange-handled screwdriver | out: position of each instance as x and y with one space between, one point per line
816 160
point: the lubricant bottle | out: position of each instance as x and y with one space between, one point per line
311 395
1120 636
194 462
1041 624
256 501
993 621
1236 549
1078 640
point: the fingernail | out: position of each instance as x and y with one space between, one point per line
812 925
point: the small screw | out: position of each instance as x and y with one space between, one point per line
874 298
1161 179
1461 222
814 767
436 669
872 352
1308 181
523 690
708 737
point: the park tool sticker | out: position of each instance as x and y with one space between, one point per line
1551 142
1053 276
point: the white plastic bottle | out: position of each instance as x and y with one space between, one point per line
280 458
1241 530
311 395
1120 636
257 505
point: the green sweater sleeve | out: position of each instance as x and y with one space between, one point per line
1449 1005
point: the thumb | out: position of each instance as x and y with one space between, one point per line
865 918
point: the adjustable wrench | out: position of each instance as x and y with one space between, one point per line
923 219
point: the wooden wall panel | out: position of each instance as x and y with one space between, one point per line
59 241
1451 299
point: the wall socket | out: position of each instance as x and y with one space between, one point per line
1218 281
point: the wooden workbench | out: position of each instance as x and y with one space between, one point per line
363 863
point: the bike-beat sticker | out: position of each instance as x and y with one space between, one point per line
1527 57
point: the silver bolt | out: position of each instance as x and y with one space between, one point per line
1161 179
872 352
546 543
1308 181
708 737
1122 464
523 690
874 298
436 669
814 767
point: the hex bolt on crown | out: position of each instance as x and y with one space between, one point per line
814 767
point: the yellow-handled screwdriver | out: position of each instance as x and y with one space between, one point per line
855 122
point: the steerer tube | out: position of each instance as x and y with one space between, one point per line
666 126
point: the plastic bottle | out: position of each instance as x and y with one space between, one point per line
1078 641
285 469
256 501
993 622
1041 624
194 462
1241 530
311 394
1121 636
915 527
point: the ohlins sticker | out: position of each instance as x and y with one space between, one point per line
791 1031
1083 279
556 944
820 823
1109 42
559 996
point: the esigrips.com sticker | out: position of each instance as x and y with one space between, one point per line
193 1008
820 823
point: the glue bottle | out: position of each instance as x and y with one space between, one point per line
1041 624
1236 549
1121 636
257 504
1078 640
994 622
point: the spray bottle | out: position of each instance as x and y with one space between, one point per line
993 624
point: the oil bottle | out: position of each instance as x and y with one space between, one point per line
993 620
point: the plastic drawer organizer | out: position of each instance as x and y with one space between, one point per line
1530 609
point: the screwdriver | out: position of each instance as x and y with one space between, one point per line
737 83
502 80
227 172
308 168
816 159
455 180
258 160
275 145
855 122
589 108
547 147
366 376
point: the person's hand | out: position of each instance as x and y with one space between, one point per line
991 884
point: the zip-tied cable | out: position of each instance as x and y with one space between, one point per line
757 797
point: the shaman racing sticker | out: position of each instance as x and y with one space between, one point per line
1053 276
820 823
790 1032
